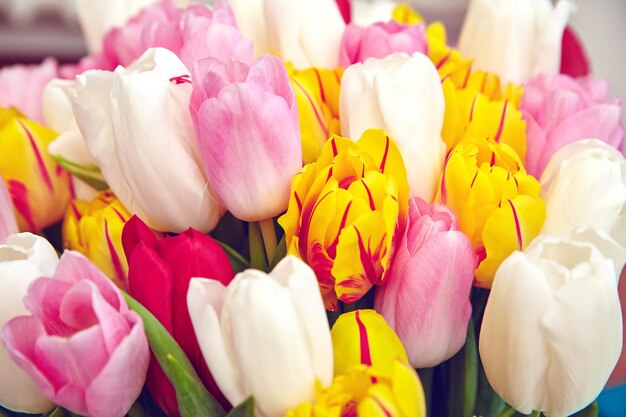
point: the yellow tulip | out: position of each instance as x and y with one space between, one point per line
94 228
365 391
39 188
497 203
404 14
317 97
343 214
364 337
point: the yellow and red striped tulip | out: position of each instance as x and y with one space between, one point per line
497 203
39 187
94 228
344 212
317 97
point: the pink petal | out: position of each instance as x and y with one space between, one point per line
43 300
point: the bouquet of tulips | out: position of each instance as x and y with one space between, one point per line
299 208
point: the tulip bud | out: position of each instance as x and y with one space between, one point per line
552 329
402 95
584 184
39 188
282 316
23 259
94 228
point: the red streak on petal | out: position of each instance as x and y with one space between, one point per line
472 108
298 201
366 259
319 81
445 78
443 60
384 161
369 195
117 265
382 407
493 159
444 193
19 196
332 249
75 210
518 229
306 225
474 179
501 127
181 79
40 163
334 145
320 121
366 358
345 182
118 214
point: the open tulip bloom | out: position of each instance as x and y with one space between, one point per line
311 208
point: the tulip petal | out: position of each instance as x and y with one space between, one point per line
8 225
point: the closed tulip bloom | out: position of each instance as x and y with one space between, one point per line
307 33
497 203
39 188
317 99
158 277
515 39
282 316
246 121
540 348
78 314
344 214
8 224
584 184
94 228
137 126
402 95
560 110
23 258
379 40
426 297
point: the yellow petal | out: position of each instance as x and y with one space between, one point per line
405 14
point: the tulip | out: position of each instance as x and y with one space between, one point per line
552 329
496 201
426 297
515 39
560 110
23 259
344 213
380 40
191 33
136 124
94 228
450 63
402 95
282 316
39 188
584 184
8 224
369 12
344 8
97 18
307 33
574 60
158 277
21 86
78 314
246 120
317 99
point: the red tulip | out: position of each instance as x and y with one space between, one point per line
344 8
574 61
159 271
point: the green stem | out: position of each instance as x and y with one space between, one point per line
507 412
232 252
136 411
269 237
535 414
257 253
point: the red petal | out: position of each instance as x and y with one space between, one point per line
574 61
136 231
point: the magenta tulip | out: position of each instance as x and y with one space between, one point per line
248 134
81 344
8 224
426 297
380 40
159 271
574 61
559 110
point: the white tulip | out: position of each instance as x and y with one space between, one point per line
97 17
24 258
368 12
264 335
552 329
307 33
516 39
584 184
136 124
402 95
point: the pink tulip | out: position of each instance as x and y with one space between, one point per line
380 40
8 224
559 110
82 345
21 86
192 33
248 133
426 297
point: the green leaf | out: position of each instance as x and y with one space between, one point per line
592 410
193 398
237 261
257 250
91 174
279 253
463 377
57 412
245 409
